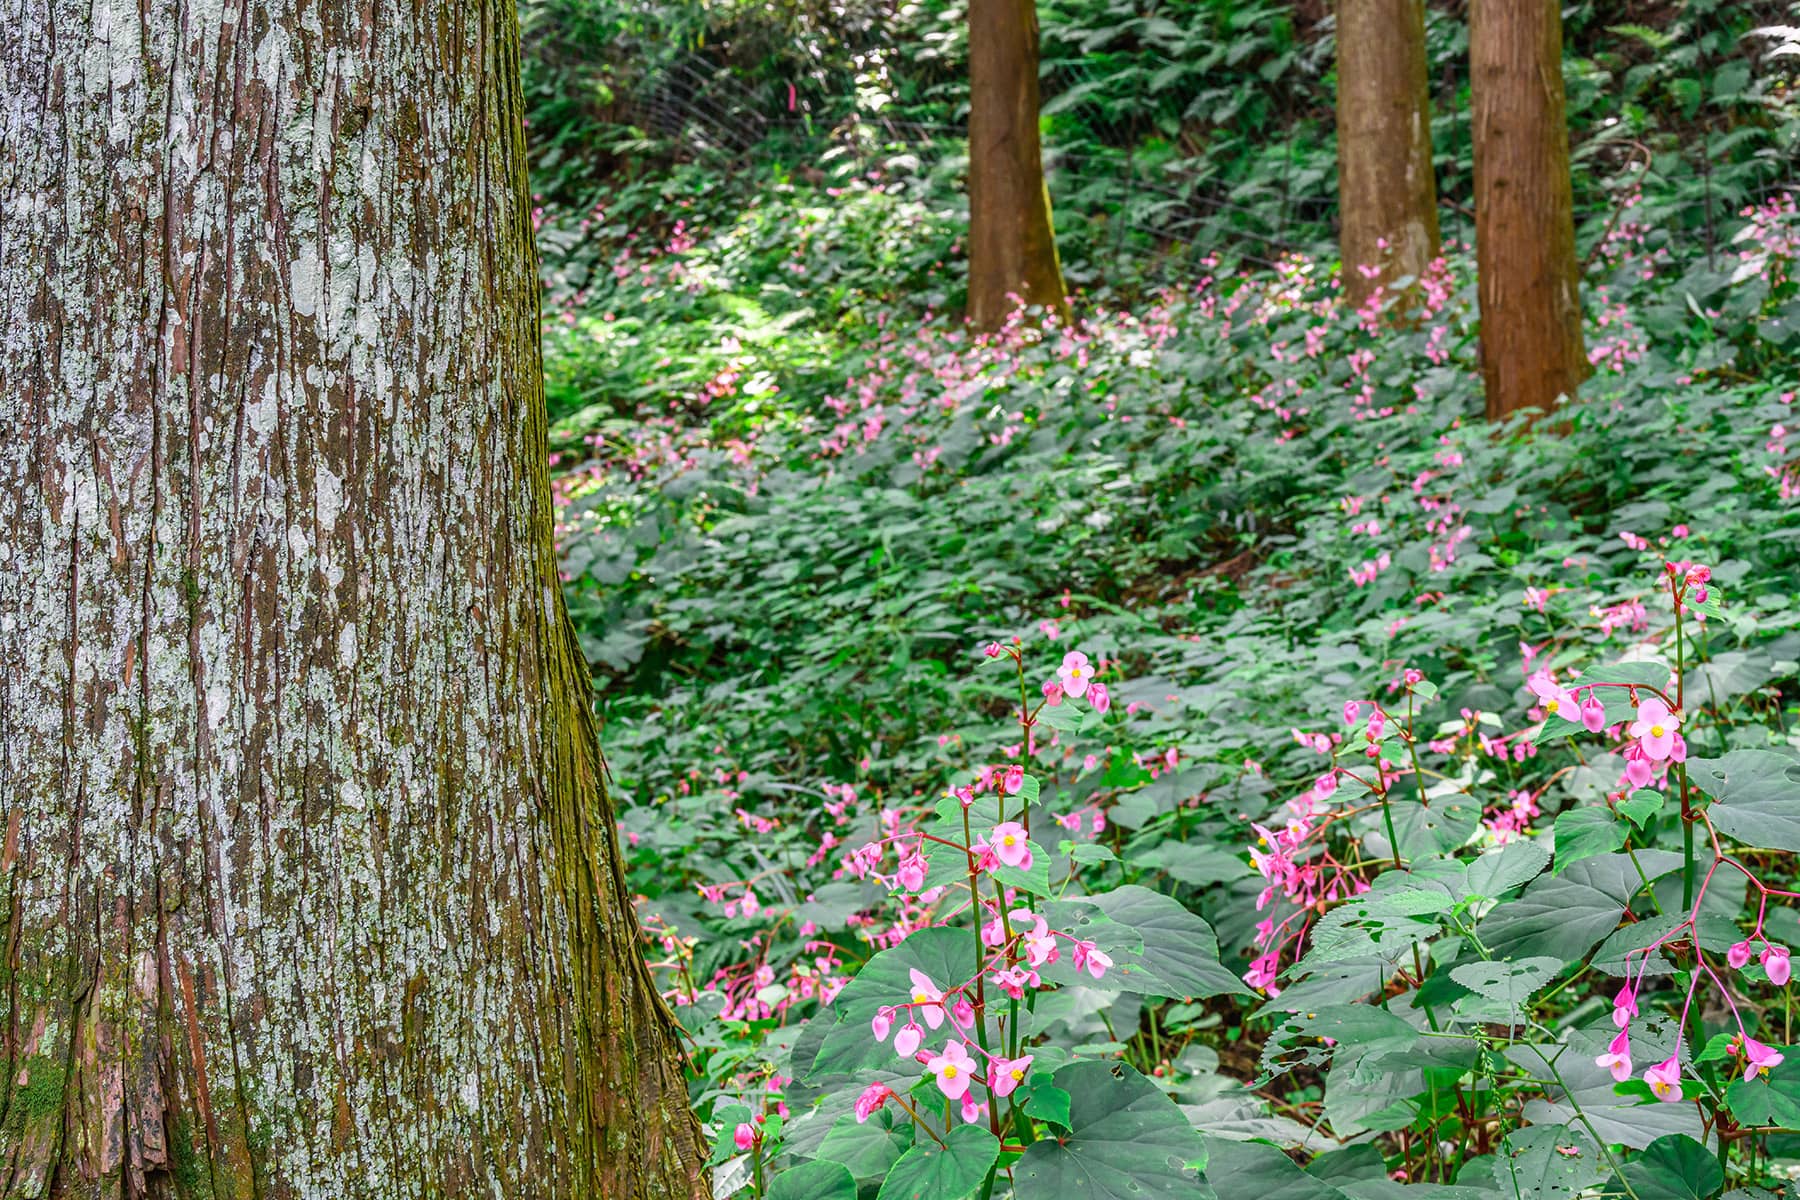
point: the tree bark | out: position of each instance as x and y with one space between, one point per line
1531 348
1387 193
308 884
1012 247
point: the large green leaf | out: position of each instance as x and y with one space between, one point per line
1583 833
1239 1169
1554 918
1756 796
1443 826
1547 1162
1500 871
1675 1168
1769 1099
949 1172
814 1181
868 1148
1305 1040
1504 989
1127 1141
1180 957
946 955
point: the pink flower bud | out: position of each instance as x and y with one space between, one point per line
744 1137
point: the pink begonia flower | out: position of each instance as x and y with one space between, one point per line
744 1137
962 1013
872 1098
1655 728
1053 692
1553 696
1665 1080
1638 768
1775 961
1738 955
1013 780
1617 1057
881 1023
1075 673
970 1110
1593 713
954 1069
1759 1059
927 999
1006 1074
1098 697
908 1039
1352 711
1040 945
913 869
1624 1006
1010 846
1090 956
993 650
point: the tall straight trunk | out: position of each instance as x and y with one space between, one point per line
1531 349
308 884
1012 247
1387 194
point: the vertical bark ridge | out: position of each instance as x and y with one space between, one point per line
310 886
1012 245
1387 191
1529 287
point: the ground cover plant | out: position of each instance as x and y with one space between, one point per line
1188 750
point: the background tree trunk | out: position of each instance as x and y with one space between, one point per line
307 878
1387 193
1531 349
1012 248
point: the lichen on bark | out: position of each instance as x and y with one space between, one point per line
309 879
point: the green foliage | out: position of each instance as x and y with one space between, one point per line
796 500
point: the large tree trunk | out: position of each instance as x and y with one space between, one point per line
1012 248
307 878
1531 350
1387 194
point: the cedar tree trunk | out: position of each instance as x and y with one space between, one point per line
1531 349
308 885
1387 195
1012 248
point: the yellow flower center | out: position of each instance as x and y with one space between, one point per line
920 998
1552 705
1661 1088
1009 839
1017 1074
950 1071
1656 731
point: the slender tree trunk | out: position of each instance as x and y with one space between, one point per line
1531 349
307 878
1012 247
1387 194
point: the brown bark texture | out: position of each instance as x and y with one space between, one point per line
308 883
1012 245
1531 347
1387 193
